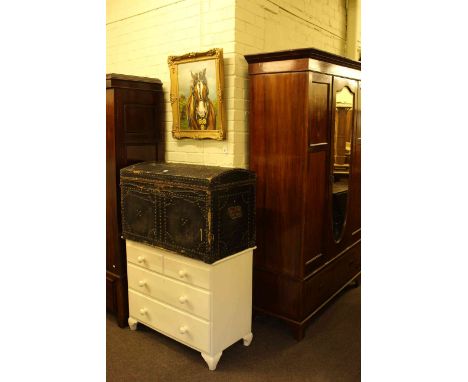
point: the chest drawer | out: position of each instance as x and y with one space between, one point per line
186 271
181 326
178 294
144 256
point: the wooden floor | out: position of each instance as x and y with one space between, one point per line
330 351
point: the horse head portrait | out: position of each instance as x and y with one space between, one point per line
200 110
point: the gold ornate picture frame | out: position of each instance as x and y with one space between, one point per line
197 99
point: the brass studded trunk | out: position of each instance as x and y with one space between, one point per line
203 212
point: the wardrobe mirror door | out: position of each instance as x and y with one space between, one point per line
341 157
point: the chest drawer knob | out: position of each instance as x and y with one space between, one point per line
143 311
142 283
140 259
182 273
183 299
183 329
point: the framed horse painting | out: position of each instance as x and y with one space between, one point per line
197 83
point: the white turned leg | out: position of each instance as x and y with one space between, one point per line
132 323
247 339
212 361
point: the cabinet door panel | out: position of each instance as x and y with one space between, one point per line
278 147
133 126
319 110
113 244
315 211
355 197
316 176
342 157
141 152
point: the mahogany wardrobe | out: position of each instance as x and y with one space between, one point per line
305 146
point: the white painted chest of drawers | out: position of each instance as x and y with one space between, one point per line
205 306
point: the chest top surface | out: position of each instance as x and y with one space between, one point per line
207 176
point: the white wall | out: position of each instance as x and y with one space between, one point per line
272 25
141 34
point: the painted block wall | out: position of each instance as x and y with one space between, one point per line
141 34
272 25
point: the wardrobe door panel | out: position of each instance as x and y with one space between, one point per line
316 174
278 149
355 197
315 212
343 126
319 111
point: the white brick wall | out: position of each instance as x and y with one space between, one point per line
141 34
271 25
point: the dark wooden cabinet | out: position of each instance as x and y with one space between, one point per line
133 134
305 149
